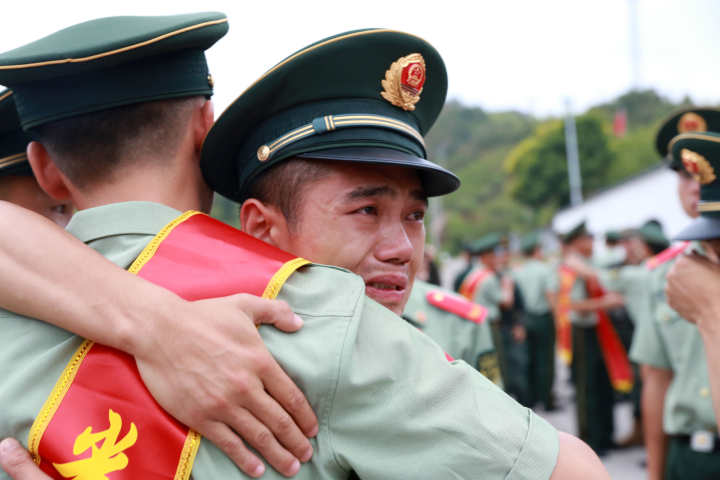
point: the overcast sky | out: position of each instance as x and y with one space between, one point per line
522 55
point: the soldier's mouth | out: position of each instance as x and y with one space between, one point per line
384 286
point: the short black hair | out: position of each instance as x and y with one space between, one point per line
283 184
91 147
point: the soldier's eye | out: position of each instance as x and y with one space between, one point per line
368 210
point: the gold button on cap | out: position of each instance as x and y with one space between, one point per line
263 153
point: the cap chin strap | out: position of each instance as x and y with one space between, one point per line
329 123
12 160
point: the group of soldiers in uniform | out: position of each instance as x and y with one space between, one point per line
615 320
364 372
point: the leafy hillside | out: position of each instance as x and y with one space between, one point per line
513 166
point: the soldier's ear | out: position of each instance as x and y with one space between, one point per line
264 222
47 174
203 121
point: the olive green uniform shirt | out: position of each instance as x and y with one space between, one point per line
389 403
489 294
665 340
535 279
632 282
579 293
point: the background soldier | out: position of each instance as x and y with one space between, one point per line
593 389
17 184
666 341
538 283
484 287
657 344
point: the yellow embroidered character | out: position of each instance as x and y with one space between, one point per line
105 458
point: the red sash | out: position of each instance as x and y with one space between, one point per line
666 255
100 418
563 325
472 282
613 351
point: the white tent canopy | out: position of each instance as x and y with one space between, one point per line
652 194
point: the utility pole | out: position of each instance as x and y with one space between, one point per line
572 155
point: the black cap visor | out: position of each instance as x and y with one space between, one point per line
435 179
702 228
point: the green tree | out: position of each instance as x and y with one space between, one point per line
538 166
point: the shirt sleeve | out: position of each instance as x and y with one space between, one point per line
552 281
489 295
402 411
647 346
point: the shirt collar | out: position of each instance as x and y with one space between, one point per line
142 218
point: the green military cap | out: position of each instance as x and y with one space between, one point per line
365 96
529 242
682 121
486 243
613 236
110 62
13 141
580 230
699 153
652 233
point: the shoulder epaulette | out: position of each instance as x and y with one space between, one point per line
666 255
457 305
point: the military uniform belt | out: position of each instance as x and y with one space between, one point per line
702 441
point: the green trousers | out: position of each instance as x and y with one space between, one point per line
683 463
593 391
541 358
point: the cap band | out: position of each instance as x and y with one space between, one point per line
329 123
708 207
12 160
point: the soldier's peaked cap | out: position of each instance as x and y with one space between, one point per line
699 153
111 62
13 141
365 96
702 119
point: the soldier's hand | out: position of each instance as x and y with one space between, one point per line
209 368
692 290
519 333
613 300
16 462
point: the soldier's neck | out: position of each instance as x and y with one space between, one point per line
179 185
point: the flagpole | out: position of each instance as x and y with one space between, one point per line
573 157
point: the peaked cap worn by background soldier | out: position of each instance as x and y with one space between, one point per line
699 154
486 243
684 121
366 96
13 141
580 230
110 62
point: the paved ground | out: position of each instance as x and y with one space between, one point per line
626 464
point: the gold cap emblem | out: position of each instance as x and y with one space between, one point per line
697 166
691 122
404 81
